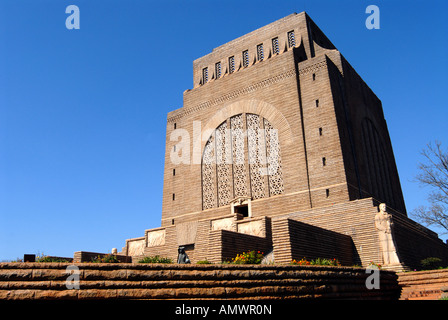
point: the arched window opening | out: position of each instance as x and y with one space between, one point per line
241 159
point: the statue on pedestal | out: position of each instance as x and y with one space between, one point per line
384 225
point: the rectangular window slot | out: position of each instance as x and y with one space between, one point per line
260 53
275 46
218 70
317 103
232 64
245 58
291 39
204 75
324 161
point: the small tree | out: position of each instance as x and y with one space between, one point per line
434 173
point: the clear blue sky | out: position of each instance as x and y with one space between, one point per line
83 112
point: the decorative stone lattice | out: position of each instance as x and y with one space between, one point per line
238 157
225 170
257 158
274 160
223 164
209 175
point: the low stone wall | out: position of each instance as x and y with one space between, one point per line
296 240
423 285
35 281
85 256
226 244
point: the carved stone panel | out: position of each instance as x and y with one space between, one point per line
155 238
136 247
254 228
186 233
223 224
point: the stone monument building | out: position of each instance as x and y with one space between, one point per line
281 147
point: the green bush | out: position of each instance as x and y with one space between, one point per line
155 259
107 258
431 263
325 262
41 257
203 262
51 259
374 265
316 262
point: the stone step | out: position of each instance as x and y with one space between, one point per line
423 285
172 281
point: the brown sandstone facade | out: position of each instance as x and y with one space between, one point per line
281 146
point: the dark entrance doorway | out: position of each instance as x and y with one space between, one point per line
242 209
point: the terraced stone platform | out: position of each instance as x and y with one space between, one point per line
36 281
423 285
